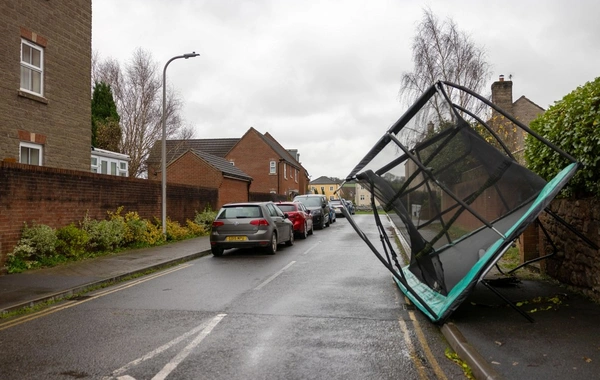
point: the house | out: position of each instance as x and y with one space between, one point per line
523 109
327 186
273 168
45 110
198 168
107 162
175 148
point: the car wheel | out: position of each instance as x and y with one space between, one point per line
322 224
304 234
328 223
290 242
272 248
217 251
312 230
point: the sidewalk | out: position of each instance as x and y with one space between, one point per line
32 287
492 338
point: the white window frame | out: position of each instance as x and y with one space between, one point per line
94 164
296 175
32 68
284 170
272 167
31 146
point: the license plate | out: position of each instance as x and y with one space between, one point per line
236 238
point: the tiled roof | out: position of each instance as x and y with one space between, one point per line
221 164
325 180
175 148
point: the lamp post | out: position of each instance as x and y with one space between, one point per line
164 139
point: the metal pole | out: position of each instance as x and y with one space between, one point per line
164 140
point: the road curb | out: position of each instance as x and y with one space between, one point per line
85 287
482 370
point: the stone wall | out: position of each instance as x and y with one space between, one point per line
576 263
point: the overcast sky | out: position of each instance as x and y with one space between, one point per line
323 76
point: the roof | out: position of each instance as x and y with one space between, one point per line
524 98
324 180
175 148
222 165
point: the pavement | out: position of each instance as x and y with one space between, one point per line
495 341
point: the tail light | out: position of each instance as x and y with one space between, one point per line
217 223
259 222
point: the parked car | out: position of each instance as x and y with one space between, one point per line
299 215
337 205
350 206
252 224
318 206
331 213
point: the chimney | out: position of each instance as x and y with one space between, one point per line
502 94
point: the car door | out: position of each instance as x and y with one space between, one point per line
283 230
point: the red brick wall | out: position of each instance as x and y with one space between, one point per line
60 119
57 197
252 155
233 190
191 170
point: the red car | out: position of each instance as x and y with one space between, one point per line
299 215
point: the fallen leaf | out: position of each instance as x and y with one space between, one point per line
587 360
498 343
496 363
515 363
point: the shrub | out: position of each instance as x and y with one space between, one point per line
205 218
105 235
72 241
572 124
175 231
152 235
37 244
195 229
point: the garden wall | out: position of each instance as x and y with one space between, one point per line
575 263
58 197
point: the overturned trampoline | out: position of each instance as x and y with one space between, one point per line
457 192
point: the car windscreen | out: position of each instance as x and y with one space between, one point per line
233 212
310 201
287 208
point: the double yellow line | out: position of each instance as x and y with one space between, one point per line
70 303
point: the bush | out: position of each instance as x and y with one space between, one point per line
175 231
105 235
571 124
152 235
37 244
205 218
72 241
195 229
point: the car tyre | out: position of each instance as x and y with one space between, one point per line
304 233
217 251
290 242
328 223
272 248
312 230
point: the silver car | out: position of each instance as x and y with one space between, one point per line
252 224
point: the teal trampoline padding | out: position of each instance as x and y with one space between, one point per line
439 303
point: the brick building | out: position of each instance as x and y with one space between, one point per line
45 55
203 169
273 168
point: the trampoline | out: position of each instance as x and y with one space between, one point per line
456 192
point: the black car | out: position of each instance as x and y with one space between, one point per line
319 208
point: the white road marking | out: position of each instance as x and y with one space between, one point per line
311 248
274 276
170 367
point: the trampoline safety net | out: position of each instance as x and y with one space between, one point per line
450 176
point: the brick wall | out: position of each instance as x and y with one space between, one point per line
191 170
57 197
60 120
233 190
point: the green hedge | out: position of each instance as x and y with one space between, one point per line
572 124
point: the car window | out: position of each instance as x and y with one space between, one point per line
273 211
287 208
311 201
234 212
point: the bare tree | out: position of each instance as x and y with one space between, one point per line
442 52
137 90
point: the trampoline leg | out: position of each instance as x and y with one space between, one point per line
510 303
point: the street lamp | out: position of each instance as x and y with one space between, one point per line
164 140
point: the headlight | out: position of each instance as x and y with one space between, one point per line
316 212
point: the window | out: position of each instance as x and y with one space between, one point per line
30 154
296 175
330 188
32 67
123 169
362 197
272 167
284 170
94 165
103 167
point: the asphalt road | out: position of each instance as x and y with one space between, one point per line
324 308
